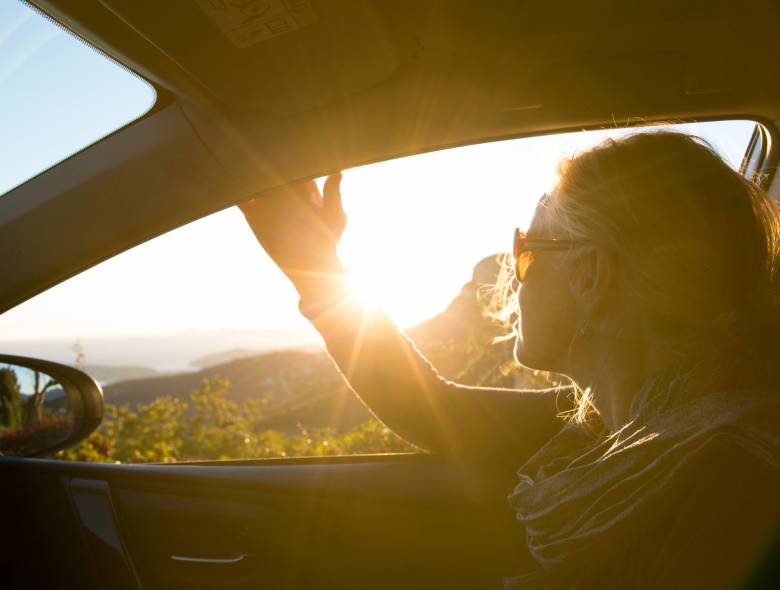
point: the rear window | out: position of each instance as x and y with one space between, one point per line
57 94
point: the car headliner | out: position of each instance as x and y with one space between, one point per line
369 80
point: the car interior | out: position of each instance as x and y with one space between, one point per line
328 85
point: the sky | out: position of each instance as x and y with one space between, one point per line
57 94
417 225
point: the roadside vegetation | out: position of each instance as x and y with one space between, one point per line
210 426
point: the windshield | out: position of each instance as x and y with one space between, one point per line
57 94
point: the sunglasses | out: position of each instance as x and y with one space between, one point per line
524 247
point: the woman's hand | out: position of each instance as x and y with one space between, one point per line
300 229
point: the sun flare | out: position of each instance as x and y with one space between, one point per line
365 290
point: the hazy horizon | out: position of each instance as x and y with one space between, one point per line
171 352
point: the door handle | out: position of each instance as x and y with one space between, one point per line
210 560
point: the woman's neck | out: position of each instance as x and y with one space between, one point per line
616 368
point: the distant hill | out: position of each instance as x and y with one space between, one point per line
219 358
307 388
304 386
164 352
111 374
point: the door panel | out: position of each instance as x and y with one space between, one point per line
384 521
41 544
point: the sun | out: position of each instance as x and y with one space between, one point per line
367 289
407 300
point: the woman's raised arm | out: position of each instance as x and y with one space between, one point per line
300 229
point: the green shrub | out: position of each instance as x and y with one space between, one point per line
208 426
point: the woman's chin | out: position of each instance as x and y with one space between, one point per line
525 356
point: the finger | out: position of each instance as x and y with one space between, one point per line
305 191
311 193
247 206
254 207
332 196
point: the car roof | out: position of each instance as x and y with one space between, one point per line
351 82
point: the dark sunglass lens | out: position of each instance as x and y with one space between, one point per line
518 243
522 262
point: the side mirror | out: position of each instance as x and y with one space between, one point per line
45 406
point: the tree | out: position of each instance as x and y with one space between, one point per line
41 384
11 412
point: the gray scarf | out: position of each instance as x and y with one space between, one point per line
581 496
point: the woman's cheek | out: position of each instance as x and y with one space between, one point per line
525 341
544 328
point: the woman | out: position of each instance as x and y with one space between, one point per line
649 277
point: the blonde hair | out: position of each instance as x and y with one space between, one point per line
696 248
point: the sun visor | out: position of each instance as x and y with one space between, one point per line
282 56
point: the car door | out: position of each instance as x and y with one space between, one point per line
349 522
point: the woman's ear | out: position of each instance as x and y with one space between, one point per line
591 278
